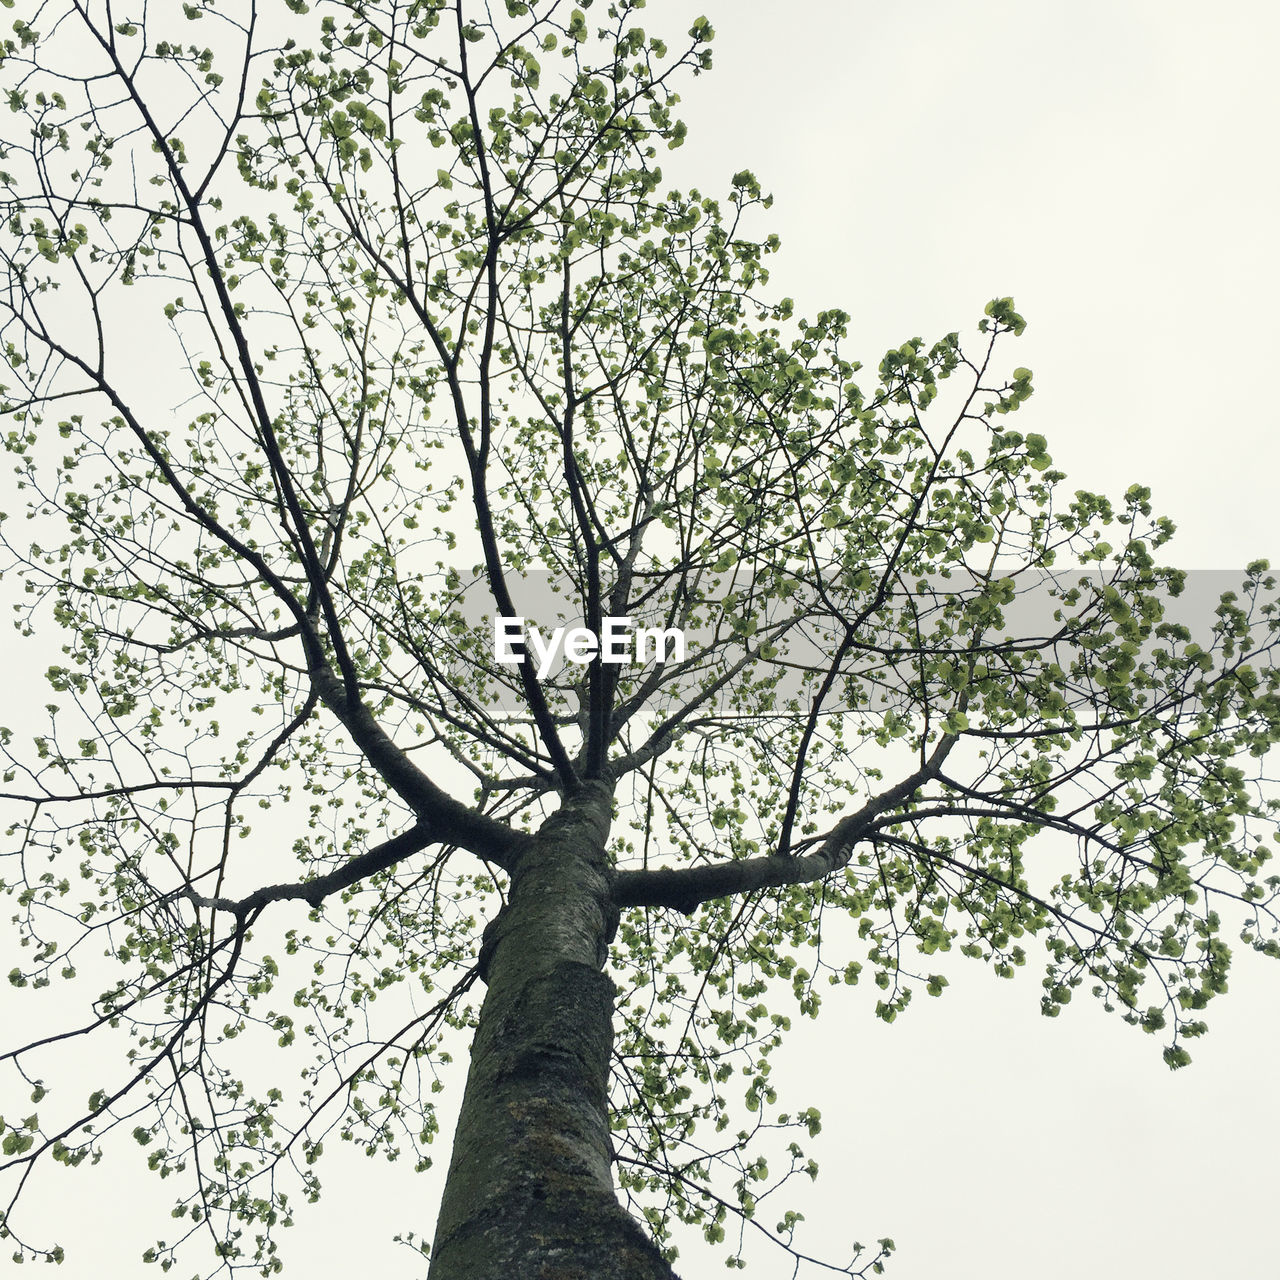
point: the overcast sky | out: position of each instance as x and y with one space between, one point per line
1112 166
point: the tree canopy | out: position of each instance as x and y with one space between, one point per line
337 335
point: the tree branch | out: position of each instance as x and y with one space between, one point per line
686 888
441 817
314 892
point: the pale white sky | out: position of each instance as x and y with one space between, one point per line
1109 164
1112 166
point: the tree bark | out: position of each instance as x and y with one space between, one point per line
530 1194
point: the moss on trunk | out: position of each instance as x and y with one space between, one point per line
530 1194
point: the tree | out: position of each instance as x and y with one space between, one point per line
430 344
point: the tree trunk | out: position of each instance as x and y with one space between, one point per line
529 1195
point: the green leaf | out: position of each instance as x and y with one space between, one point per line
16 1142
